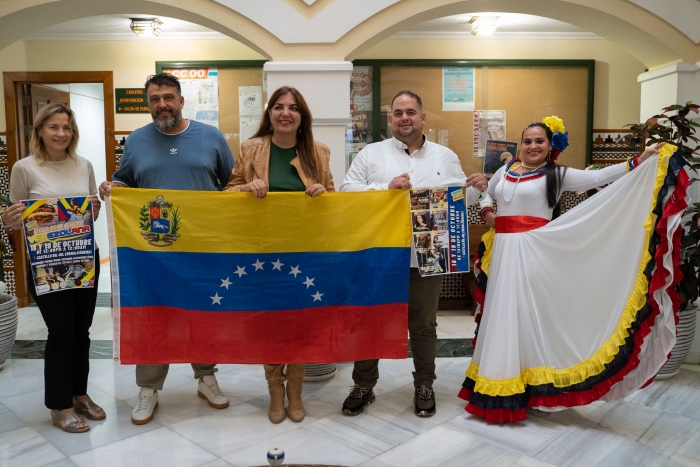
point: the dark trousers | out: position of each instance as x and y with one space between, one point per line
423 296
68 315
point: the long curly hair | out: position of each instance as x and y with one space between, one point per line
305 136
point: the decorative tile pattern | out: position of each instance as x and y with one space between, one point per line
8 262
102 349
452 287
570 199
10 282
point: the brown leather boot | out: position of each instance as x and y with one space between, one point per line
295 381
274 374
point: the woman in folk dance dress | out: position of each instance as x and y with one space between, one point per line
580 308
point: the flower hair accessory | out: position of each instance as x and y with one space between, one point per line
560 138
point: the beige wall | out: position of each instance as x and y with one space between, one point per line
131 61
617 93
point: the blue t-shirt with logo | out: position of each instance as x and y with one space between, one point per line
195 159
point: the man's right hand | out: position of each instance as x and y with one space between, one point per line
105 189
402 182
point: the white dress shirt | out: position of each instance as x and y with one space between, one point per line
431 165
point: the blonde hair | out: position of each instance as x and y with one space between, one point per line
36 145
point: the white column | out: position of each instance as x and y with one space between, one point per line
674 84
326 88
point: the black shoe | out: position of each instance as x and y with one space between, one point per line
424 401
357 400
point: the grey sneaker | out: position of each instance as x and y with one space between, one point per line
424 401
146 405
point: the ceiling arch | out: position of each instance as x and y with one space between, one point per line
646 36
650 39
20 18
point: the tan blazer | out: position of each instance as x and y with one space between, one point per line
254 163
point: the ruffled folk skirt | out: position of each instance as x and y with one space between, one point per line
582 308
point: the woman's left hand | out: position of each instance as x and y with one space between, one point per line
315 189
96 205
648 152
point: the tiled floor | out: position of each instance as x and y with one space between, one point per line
658 426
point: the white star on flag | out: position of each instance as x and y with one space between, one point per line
226 283
295 270
216 299
317 296
308 282
258 265
277 265
240 271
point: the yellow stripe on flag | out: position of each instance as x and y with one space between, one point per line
222 221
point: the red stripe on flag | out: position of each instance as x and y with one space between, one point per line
151 335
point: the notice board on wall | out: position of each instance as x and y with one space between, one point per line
525 93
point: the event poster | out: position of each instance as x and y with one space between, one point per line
250 109
498 154
458 88
359 132
488 124
61 243
200 88
440 235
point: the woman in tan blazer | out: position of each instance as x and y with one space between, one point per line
283 156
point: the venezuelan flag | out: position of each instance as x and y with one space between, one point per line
228 278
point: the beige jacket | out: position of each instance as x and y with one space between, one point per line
254 163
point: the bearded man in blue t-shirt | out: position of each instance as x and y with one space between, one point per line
172 153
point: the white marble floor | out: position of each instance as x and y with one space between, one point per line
657 426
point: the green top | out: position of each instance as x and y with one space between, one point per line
283 176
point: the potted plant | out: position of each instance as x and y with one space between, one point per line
674 127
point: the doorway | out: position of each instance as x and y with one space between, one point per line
19 118
33 98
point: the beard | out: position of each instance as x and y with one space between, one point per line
169 124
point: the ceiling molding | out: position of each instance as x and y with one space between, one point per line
681 14
578 36
125 36
291 27
308 8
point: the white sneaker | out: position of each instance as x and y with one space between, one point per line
208 389
147 404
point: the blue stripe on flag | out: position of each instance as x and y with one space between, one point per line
263 282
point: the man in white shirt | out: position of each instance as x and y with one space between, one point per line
404 161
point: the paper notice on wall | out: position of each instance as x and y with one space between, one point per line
200 88
361 90
250 108
488 124
457 88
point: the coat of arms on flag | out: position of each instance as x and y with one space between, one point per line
159 222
